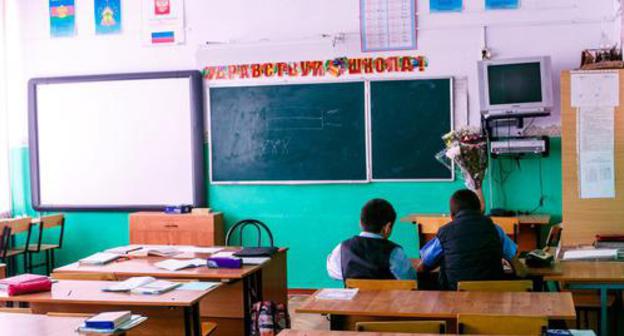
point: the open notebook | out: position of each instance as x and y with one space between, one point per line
142 285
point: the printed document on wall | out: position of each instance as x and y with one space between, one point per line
595 141
598 88
388 24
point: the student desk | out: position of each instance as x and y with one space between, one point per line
168 313
594 275
367 305
529 226
15 324
229 306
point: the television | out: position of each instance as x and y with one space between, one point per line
516 87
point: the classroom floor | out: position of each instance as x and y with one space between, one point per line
305 321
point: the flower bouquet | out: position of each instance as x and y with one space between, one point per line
467 148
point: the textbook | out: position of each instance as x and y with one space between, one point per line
591 254
108 320
157 251
100 258
336 294
132 322
178 264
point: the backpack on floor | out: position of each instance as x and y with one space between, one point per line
268 318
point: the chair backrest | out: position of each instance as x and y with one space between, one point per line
17 225
241 225
48 222
495 286
421 327
368 284
501 325
84 276
508 224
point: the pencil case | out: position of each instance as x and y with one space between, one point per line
223 262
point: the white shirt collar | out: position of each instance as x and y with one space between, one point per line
370 235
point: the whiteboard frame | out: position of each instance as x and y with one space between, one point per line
196 94
287 182
451 116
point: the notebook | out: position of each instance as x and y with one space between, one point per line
108 320
131 323
591 254
123 249
100 258
128 284
156 287
178 264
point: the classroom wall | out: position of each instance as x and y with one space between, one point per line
308 219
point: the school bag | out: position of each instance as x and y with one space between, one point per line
268 318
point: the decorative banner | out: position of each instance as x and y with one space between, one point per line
333 67
163 22
441 6
62 18
107 16
501 4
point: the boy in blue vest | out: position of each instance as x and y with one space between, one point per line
370 255
470 247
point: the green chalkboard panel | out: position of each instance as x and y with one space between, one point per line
297 132
408 119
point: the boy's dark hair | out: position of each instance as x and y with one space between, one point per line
375 214
464 199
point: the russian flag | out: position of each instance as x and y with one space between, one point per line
163 37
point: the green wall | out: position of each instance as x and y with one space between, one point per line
312 219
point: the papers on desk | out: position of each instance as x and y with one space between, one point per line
142 285
198 285
178 264
336 294
591 254
156 250
100 258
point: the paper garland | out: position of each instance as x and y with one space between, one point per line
334 67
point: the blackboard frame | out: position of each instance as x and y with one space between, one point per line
451 119
196 84
367 152
368 132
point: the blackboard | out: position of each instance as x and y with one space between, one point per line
408 120
297 132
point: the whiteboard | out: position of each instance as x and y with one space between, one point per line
117 141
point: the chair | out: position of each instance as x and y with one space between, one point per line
501 325
241 225
208 328
509 225
495 286
368 284
428 226
45 223
84 276
9 251
420 327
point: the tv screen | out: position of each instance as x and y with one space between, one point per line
514 83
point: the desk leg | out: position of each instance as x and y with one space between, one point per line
603 312
187 321
252 293
196 320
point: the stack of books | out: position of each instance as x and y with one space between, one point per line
110 323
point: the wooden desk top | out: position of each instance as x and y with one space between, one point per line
144 266
90 292
441 304
290 332
537 219
31 324
587 271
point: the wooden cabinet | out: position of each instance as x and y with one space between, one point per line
171 229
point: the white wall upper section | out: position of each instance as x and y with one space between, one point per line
287 30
